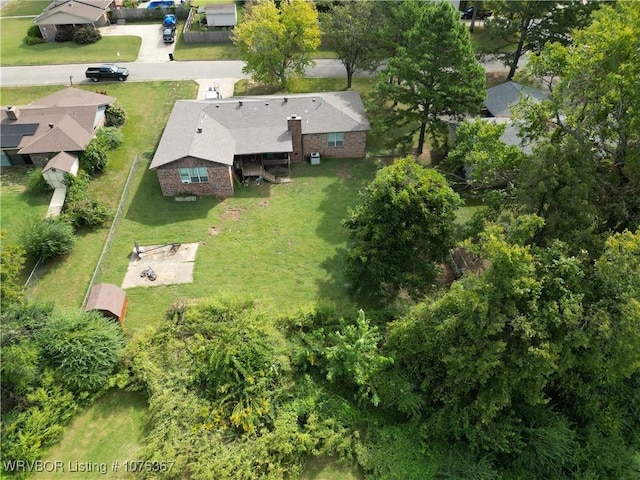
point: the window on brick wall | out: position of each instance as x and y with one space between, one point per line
335 139
194 175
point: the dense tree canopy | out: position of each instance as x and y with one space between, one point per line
432 72
402 229
526 361
589 159
277 42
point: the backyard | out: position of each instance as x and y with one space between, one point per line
280 245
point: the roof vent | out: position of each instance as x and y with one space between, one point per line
51 125
240 103
286 99
199 130
313 99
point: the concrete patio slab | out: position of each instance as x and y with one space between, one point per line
172 264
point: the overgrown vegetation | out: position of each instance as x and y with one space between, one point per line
54 361
527 366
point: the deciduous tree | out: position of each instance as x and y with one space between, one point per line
402 228
278 42
482 157
590 128
353 30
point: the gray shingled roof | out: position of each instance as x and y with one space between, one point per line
245 125
89 9
63 161
502 97
221 8
72 97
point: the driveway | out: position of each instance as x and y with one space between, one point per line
152 49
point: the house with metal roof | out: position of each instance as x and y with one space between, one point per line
208 143
64 121
70 13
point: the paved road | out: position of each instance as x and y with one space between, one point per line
167 70
176 70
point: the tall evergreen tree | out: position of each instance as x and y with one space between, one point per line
431 73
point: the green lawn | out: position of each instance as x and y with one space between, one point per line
19 8
65 281
17 203
14 51
110 430
278 244
482 42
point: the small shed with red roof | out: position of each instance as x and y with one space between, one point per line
108 299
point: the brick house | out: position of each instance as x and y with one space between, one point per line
64 121
206 143
63 13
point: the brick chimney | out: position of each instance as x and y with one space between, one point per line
294 125
13 113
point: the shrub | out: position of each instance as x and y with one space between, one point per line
94 158
34 31
64 34
82 347
79 209
36 182
25 434
115 115
86 35
33 40
47 238
110 137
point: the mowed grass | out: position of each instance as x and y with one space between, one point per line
65 281
20 8
280 245
110 430
14 50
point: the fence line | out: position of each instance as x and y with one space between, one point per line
33 271
107 242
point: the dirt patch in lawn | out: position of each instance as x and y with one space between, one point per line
232 213
171 264
344 174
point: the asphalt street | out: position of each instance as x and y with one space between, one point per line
176 70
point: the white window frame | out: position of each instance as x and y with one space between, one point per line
194 175
335 139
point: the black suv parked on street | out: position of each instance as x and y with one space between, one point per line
107 70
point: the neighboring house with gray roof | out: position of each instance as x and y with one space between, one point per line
502 97
61 13
64 121
208 142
